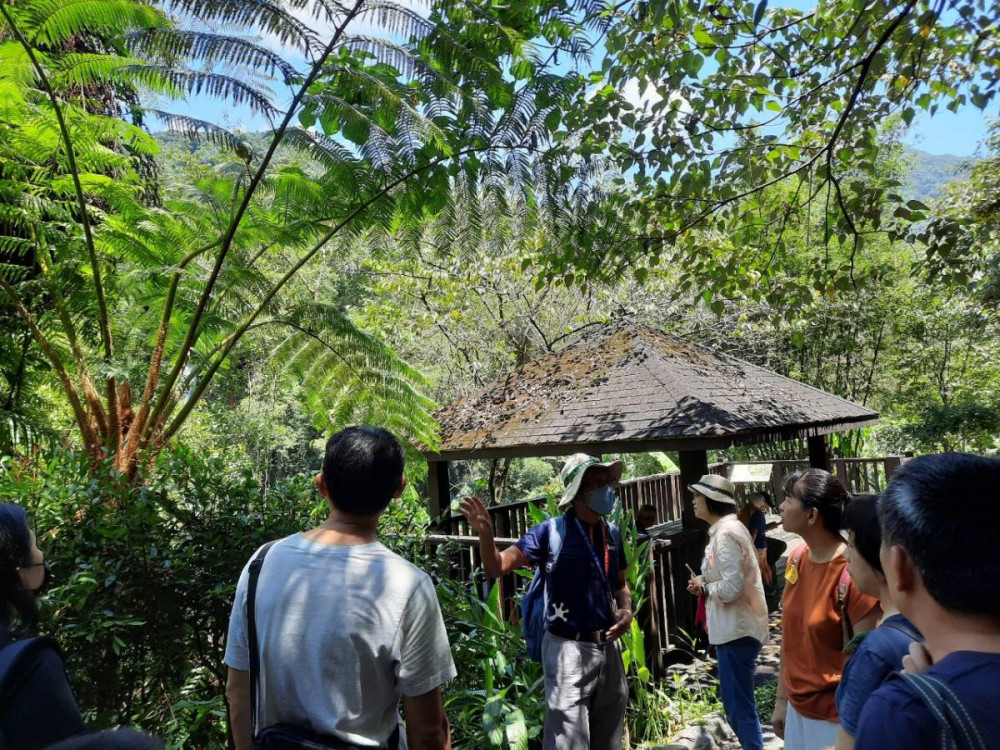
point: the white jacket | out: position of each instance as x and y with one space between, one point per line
735 604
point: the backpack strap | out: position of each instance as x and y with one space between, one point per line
254 575
905 628
616 534
843 589
797 554
557 532
958 730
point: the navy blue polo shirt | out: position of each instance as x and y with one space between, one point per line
895 718
879 656
578 598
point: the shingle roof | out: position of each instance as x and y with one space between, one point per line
624 388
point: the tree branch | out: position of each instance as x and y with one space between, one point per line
91 440
227 239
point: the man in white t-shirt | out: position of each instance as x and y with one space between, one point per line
345 626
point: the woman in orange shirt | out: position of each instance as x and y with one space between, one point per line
820 611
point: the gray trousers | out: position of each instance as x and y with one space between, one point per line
585 695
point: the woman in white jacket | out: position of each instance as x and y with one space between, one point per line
735 604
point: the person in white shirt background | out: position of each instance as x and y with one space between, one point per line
736 608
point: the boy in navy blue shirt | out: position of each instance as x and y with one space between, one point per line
589 607
941 557
880 653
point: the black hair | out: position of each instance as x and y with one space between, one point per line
18 611
819 489
764 494
719 509
362 468
944 510
861 517
646 513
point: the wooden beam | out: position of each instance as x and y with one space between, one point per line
819 456
438 488
666 445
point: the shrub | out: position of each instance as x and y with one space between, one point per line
144 578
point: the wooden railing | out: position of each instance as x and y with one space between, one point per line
670 609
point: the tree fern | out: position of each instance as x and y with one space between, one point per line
414 118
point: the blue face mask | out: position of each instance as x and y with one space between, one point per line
601 500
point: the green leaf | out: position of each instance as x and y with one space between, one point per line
493 724
516 729
702 36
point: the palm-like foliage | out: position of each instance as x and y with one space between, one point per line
137 307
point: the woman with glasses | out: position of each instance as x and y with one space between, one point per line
37 707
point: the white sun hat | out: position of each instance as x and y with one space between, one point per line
577 466
716 488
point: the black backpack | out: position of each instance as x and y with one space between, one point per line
282 736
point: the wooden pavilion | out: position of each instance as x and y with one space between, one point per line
622 388
627 389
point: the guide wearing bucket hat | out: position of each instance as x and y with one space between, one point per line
584 600
580 465
734 601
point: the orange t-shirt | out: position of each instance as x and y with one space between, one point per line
813 635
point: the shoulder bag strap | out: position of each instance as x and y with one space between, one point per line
254 575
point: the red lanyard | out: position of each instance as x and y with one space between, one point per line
607 552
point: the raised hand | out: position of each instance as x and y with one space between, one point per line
477 516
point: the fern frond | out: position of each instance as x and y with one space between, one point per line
248 14
396 19
211 49
50 23
196 129
215 84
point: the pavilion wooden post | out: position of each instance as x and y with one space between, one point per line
693 466
819 456
438 488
